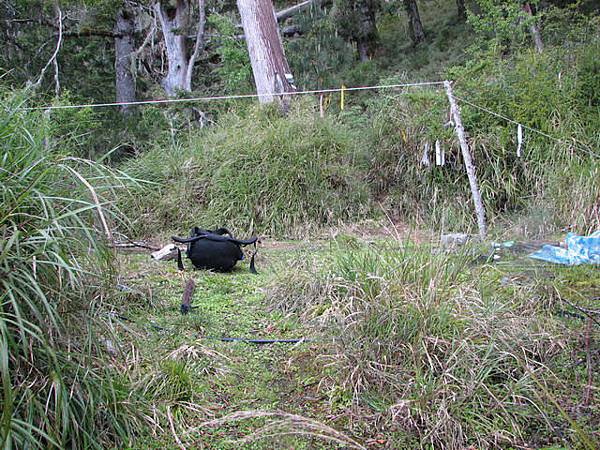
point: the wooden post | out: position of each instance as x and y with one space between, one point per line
464 146
188 293
321 110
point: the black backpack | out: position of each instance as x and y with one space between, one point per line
214 250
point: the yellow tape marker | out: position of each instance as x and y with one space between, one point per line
342 97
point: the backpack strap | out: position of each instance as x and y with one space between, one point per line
252 268
215 237
179 261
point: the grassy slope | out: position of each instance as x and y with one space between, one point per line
200 380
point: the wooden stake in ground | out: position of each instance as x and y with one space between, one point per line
321 110
188 293
464 146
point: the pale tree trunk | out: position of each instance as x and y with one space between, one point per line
533 29
414 21
175 23
462 10
199 44
124 53
272 74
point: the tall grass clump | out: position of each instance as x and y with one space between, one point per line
258 172
58 388
555 93
443 351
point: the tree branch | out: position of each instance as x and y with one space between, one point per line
93 32
199 44
55 54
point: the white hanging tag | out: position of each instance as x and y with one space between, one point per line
519 140
439 154
425 158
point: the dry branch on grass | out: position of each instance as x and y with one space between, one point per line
280 423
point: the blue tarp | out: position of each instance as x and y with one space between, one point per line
580 250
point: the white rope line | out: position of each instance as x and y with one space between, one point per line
534 130
236 96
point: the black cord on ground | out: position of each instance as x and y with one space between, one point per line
258 341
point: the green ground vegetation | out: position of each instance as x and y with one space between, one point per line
413 346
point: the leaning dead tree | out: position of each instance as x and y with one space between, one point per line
302 6
272 74
174 19
469 165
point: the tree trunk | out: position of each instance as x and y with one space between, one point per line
363 51
199 45
533 29
124 51
462 10
174 23
414 21
368 30
272 74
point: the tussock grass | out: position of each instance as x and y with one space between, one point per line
553 92
258 172
59 388
449 353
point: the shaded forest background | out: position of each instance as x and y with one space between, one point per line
533 62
